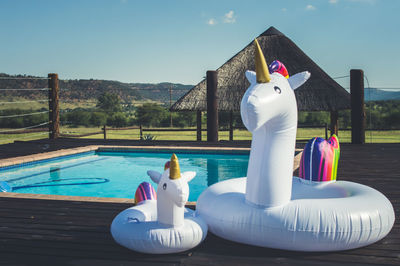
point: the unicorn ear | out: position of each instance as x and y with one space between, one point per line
251 76
155 176
189 175
299 79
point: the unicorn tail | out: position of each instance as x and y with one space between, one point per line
319 160
145 191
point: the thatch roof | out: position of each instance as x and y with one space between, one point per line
319 93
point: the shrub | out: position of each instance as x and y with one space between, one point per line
117 120
98 118
78 117
151 115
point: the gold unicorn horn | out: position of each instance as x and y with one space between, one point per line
262 71
174 170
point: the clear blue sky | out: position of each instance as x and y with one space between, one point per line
179 40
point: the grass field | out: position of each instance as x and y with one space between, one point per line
303 134
19 103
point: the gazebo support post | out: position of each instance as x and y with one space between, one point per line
230 125
212 106
357 106
198 125
334 123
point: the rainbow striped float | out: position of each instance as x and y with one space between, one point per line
319 160
145 191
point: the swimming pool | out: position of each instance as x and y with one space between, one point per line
117 174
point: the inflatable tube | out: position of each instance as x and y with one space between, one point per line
269 207
160 223
320 216
137 228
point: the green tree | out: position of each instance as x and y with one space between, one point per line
313 118
98 118
117 120
78 117
109 102
151 114
344 119
393 119
184 119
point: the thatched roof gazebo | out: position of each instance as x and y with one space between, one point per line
319 93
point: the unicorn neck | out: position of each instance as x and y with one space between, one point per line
169 213
270 169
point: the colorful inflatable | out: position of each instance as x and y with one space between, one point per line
164 225
270 207
277 66
145 191
319 160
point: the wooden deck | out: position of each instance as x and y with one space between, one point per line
59 232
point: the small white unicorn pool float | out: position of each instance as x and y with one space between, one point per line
270 207
162 225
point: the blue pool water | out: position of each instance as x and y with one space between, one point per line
124 171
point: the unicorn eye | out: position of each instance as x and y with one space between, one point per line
277 89
164 186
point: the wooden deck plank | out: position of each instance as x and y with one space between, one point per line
51 232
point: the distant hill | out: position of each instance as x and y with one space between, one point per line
374 94
160 91
89 89
86 89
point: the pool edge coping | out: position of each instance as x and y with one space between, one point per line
71 151
30 196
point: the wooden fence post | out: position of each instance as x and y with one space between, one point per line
212 106
105 131
198 125
357 106
54 108
140 132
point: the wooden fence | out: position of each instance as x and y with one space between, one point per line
142 131
358 130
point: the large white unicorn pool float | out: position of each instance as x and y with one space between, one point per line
161 225
270 207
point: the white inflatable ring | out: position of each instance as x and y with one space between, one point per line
137 228
320 217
